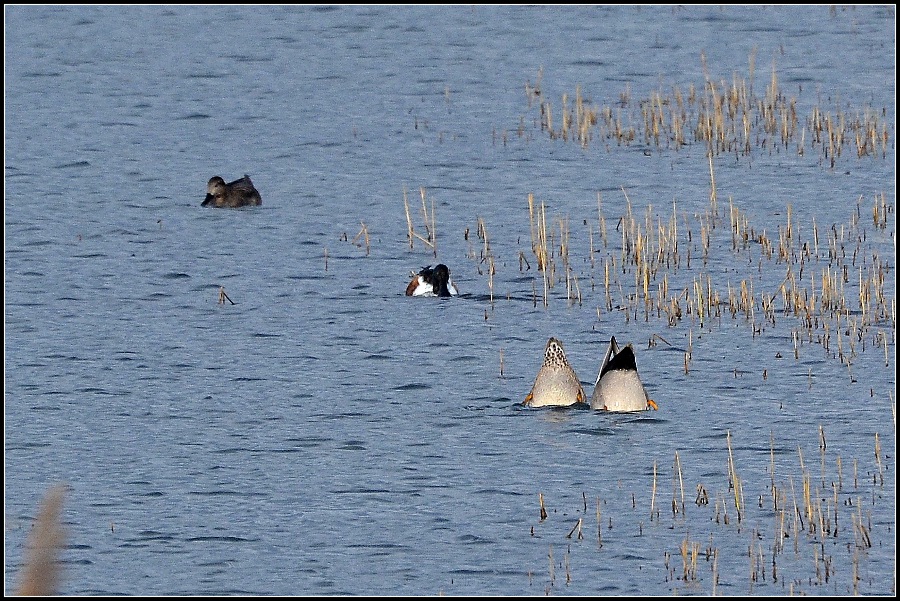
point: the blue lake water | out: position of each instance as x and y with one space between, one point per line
325 434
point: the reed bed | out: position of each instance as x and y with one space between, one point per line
808 541
805 526
728 117
831 286
801 528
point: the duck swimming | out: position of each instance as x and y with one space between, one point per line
239 193
618 386
556 382
432 282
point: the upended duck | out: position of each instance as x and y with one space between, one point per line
618 386
432 282
239 193
556 383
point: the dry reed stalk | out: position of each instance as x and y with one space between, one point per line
599 527
531 224
778 546
772 468
822 447
543 511
564 254
807 502
543 256
680 481
797 519
601 221
40 574
840 473
591 245
878 459
550 561
425 218
409 224
577 289
735 480
547 112
431 229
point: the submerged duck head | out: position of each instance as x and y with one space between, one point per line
618 386
432 281
556 383
239 193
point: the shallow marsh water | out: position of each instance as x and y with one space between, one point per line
325 434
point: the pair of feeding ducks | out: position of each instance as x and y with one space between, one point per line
618 386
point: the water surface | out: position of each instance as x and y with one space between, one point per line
327 435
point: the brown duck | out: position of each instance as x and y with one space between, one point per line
239 193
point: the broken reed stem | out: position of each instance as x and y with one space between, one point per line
577 527
430 225
736 483
433 227
543 511
364 234
223 297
